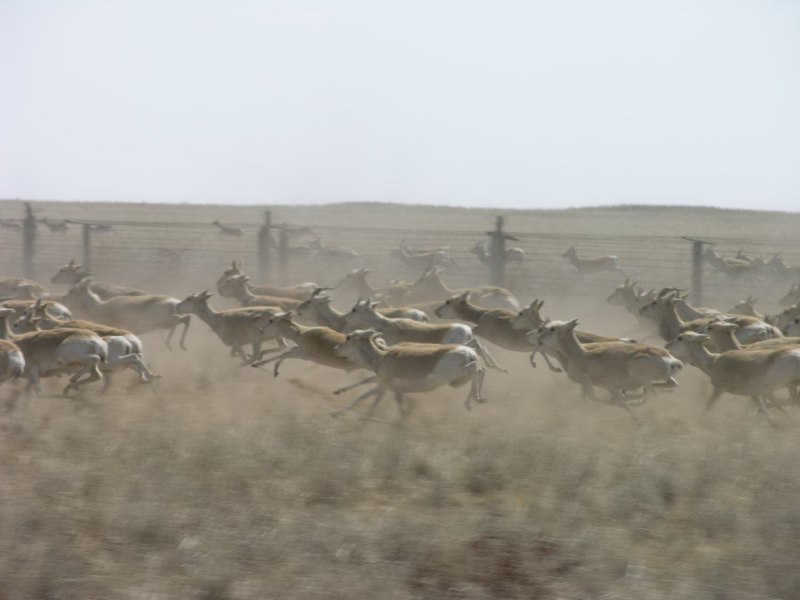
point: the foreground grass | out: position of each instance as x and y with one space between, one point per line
204 494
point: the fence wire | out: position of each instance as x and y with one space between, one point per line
181 257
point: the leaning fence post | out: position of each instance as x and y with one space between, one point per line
697 268
264 248
87 247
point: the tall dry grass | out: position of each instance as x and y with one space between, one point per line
212 489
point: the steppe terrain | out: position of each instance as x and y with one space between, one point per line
223 482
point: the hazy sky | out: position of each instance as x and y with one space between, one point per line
470 102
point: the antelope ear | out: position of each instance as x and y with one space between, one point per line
373 303
463 296
71 262
571 324
245 278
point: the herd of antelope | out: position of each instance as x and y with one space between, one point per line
406 337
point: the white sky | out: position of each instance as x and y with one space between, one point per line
471 102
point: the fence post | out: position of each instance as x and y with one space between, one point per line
497 260
29 243
498 257
283 253
697 269
264 248
87 247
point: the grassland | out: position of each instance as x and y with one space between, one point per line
225 483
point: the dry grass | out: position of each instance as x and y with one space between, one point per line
249 490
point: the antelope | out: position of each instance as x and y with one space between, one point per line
686 311
228 229
793 329
21 288
530 318
11 224
792 297
236 327
427 259
733 267
615 366
54 226
315 344
753 373
631 297
495 325
298 292
12 360
58 351
124 348
588 266
746 307
409 368
72 273
431 287
319 310
332 253
357 280
663 310
781 269
56 309
396 331
393 294
138 314
723 338
513 254
236 287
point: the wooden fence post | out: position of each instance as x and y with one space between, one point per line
29 243
697 269
497 259
87 247
264 248
283 253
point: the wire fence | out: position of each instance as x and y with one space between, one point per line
180 257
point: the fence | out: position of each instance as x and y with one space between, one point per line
179 257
